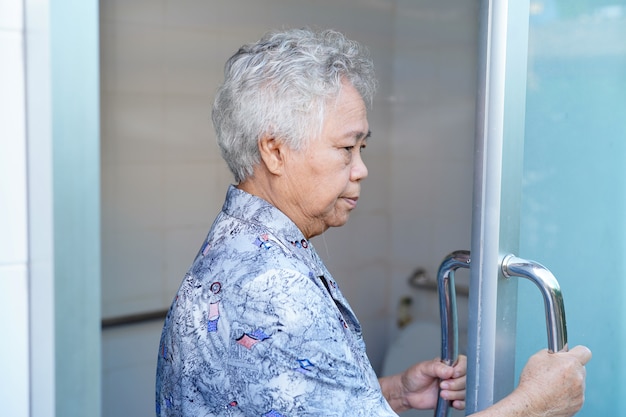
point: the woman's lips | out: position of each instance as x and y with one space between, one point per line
351 201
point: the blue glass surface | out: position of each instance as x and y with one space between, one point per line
573 211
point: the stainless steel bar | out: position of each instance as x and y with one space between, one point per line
552 297
423 282
448 313
129 319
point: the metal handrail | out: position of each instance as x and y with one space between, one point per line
553 298
448 313
135 318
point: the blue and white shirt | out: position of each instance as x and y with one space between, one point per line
260 328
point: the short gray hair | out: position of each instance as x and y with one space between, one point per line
280 86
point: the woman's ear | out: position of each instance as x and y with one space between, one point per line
273 152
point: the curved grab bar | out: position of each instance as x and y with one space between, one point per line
448 313
552 297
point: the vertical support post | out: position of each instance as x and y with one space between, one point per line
62 84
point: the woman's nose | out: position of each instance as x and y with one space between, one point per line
359 169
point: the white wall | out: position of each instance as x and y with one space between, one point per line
163 180
14 384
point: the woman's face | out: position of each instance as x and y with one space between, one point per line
324 179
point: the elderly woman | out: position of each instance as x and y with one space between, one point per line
259 326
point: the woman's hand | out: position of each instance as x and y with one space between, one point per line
418 386
551 385
555 382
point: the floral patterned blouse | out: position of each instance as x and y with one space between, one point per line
260 328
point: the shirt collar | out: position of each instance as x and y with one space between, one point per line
252 209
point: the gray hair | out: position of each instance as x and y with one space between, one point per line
280 86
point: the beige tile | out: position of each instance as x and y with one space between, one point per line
129 355
133 58
139 198
188 135
132 271
194 61
137 12
192 199
133 128
181 246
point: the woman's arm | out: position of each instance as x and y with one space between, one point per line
551 384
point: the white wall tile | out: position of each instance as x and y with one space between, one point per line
11 15
375 193
13 244
14 351
433 140
364 239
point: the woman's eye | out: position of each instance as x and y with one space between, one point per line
351 148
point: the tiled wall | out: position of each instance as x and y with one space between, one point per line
13 245
163 180
13 223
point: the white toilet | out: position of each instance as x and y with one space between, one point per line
418 341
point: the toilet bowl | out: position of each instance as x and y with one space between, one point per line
418 341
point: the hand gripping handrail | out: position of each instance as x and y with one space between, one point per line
552 297
448 313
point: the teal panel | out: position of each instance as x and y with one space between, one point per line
74 61
573 217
